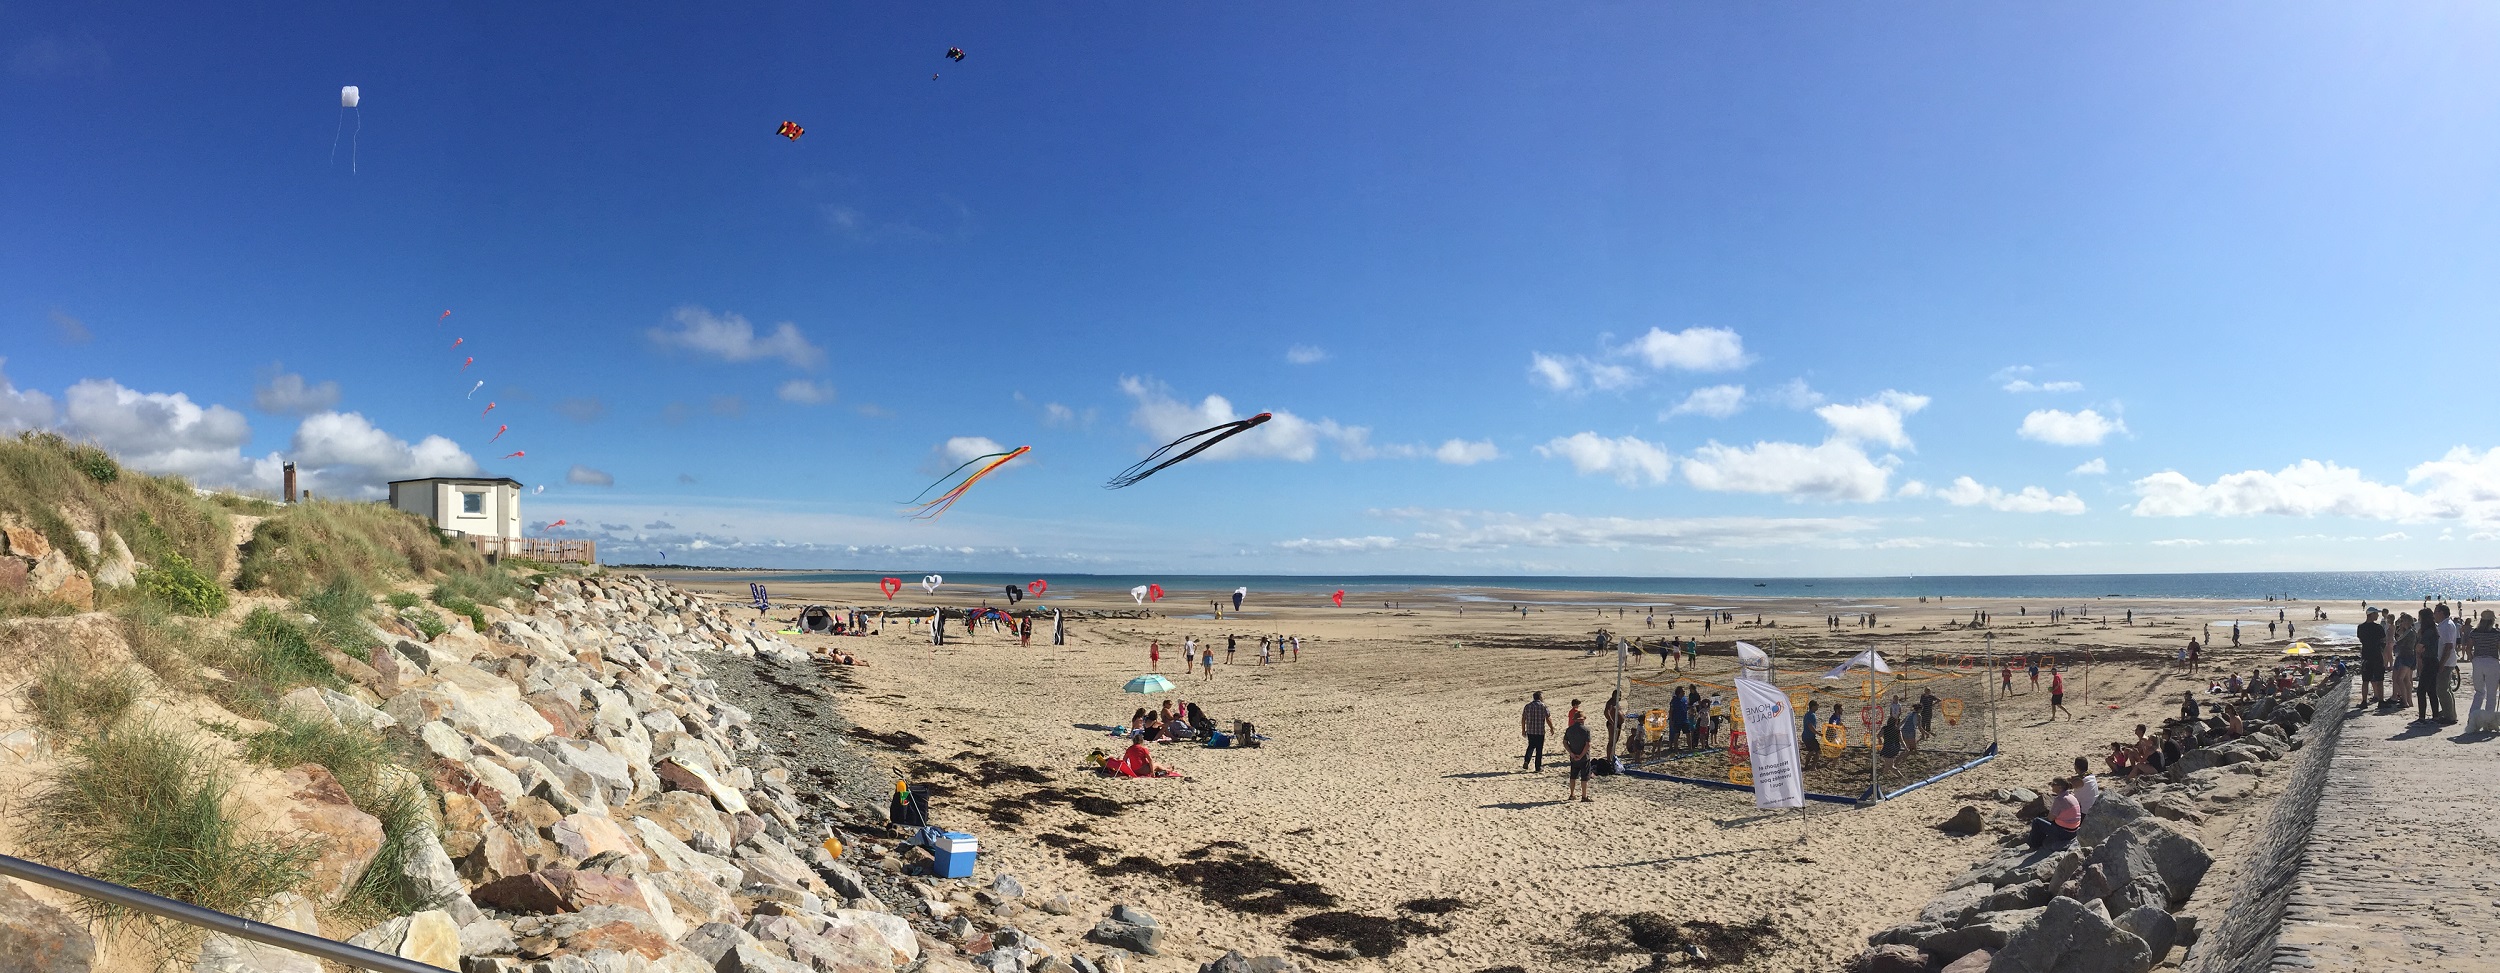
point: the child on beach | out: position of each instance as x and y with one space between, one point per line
1154 656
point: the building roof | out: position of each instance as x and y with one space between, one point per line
460 479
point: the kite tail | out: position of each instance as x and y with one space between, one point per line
352 140
1140 471
936 508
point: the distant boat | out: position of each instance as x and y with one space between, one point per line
1759 584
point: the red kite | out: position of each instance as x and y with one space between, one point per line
792 131
889 586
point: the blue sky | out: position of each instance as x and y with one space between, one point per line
1624 288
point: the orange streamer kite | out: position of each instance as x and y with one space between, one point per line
490 407
515 454
498 433
935 508
465 363
455 342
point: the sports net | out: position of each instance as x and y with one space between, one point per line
1944 708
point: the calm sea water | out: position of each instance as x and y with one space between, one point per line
2327 586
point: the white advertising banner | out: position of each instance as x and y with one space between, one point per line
1771 736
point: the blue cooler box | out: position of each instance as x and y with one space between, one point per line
955 852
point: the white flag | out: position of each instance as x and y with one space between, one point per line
1752 663
1869 658
1771 736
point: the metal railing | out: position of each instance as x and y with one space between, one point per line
211 919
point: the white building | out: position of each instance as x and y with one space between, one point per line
476 506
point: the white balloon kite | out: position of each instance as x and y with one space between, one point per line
348 96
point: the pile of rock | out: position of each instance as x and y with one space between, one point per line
598 817
2105 902
32 566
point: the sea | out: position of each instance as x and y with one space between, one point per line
2390 587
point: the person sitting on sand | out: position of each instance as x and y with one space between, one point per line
2232 726
1141 763
1137 722
1153 729
1198 719
844 658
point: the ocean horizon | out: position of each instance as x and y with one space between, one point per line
2452 584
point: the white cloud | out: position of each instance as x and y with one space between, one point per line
1306 354
1835 470
2178 542
1284 436
959 450
1571 374
1337 545
1460 452
585 476
21 410
343 453
1054 414
2093 467
2058 427
729 337
1717 402
2462 484
805 392
1791 394
283 393
1967 492
1554 373
2022 385
159 432
1876 419
1464 530
1631 461
1692 349
1913 488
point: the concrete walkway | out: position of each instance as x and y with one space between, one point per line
2402 871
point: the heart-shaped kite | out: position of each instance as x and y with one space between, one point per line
1037 587
930 584
889 586
1339 597
1014 594
1138 593
1154 592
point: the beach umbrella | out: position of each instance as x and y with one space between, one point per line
1148 684
2299 648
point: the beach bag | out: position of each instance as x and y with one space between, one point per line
1605 767
1248 735
1219 740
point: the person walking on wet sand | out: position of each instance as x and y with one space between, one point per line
1534 722
1576 744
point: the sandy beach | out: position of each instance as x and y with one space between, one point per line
1388 804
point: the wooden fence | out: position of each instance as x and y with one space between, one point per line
545 549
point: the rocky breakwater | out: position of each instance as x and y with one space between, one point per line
606 810
2112 900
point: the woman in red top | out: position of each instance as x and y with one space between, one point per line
1154 656
1142 763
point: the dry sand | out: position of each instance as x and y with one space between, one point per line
1392 774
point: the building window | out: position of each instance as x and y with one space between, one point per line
472 503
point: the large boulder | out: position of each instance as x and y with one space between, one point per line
38 938
554 890
1891 959
2153 925
2150 846
1957 905
1130 929
1986 931
348 838
2108 813
1964 823
2070 937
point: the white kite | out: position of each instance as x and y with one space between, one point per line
1138 593
930 584
1869 658
348 97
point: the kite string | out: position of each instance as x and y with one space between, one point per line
351 141
334 136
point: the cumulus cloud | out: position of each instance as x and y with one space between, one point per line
1576 373
1692 349
2093 467
1284 436
959 450
1460 452
2058 427
1835 470
284 393
1630 460
344 453
160 432
1306 354
730 337
805 392
2462 484
585 476
1337 545
1967 492
1470 530
1717 402
582 409
21 410
1876 419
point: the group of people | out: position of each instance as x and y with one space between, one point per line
1536 720
2422 651
1175 720
1272 649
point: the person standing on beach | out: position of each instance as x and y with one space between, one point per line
1692 654
1154 656
1614 721
2484 715
2400 655
1229 645
2057 695
1207 662
1811 745
2235 635
1679 712
1534 722
2035 672
1576 744
2373 638
2008 688
2443 699
1189 654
